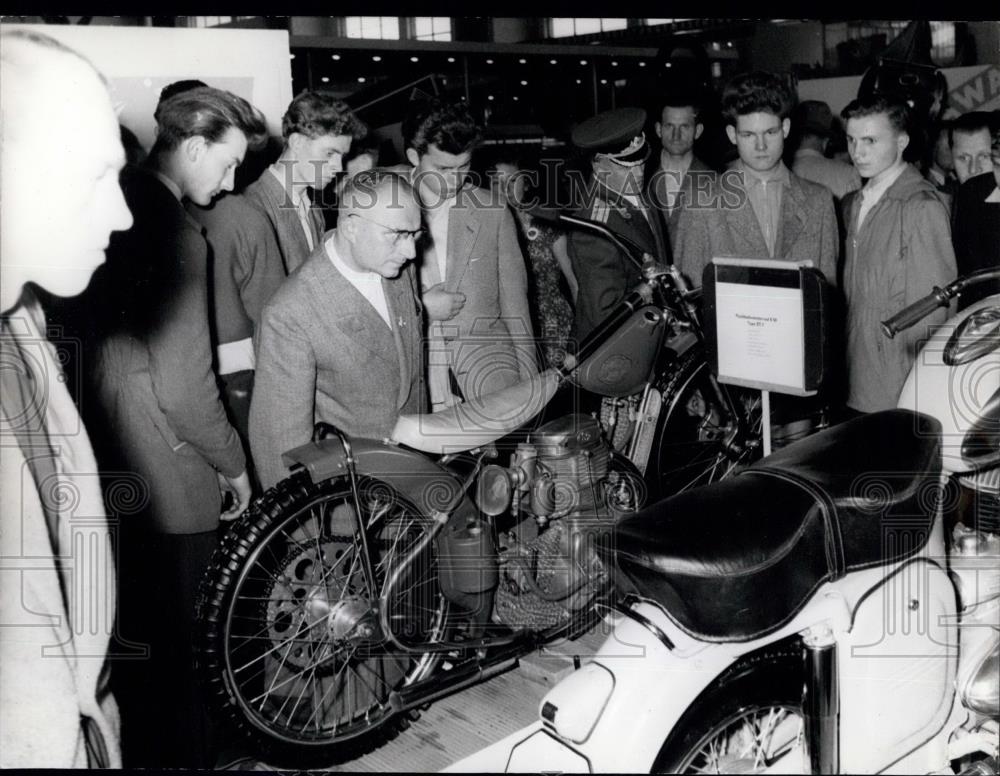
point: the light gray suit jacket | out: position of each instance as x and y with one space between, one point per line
325 354
57 586
270 197
490 342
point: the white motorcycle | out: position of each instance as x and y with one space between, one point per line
811 614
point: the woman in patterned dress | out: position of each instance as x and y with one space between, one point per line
549 268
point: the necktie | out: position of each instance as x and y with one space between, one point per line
303 211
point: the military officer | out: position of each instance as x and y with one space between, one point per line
615 197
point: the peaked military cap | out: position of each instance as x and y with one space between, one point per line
616 134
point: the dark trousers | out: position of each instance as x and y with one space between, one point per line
165 719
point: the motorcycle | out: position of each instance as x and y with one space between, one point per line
675 422
376 579
818 612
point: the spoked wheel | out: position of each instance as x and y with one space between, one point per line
746 722
292 644
698 440
749 743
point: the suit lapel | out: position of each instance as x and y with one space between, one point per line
463 227
362 325
286 222
400 294
655 223
793 218
744 228
318 223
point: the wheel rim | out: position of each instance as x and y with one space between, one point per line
750 741
690 451
304 655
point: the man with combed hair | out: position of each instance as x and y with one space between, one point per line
260 237
61 155
977 225
969 136
672 179
898 248
341 341
471 268
165 420
759 209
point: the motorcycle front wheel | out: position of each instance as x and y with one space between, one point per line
698 440
745 722
291 647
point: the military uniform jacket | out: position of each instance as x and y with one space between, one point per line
604 274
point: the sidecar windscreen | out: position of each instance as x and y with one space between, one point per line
477 422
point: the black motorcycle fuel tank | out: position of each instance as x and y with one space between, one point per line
622 364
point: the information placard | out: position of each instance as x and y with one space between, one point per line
760 324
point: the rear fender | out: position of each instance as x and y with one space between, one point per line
420 480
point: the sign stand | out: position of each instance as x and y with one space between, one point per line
765 420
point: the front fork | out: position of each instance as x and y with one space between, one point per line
821 701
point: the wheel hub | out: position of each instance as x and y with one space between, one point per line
313 590
351 619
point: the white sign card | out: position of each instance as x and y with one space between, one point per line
760 324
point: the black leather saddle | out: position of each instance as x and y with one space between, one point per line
738 559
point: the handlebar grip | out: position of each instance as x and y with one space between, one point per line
914 313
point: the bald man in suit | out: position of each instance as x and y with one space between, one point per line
341 340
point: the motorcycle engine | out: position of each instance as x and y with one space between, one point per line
566 494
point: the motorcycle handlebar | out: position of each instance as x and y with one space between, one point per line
915 312
939 297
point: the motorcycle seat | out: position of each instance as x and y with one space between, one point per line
737 559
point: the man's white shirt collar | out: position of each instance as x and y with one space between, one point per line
872 192
683 168
368 284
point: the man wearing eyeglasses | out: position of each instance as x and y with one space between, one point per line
341 340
